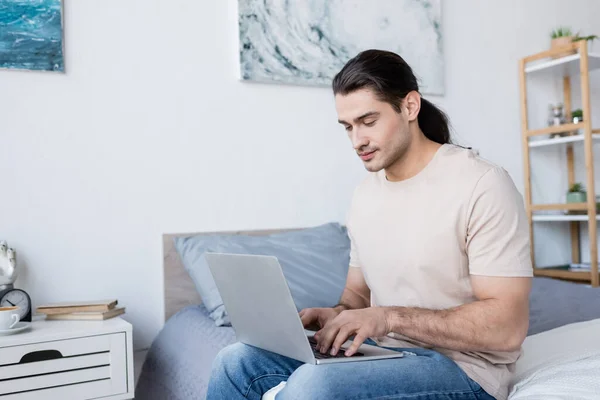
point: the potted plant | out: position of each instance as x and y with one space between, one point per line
562 36
576 194
577 116
589 38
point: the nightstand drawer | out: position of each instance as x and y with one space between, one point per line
82 368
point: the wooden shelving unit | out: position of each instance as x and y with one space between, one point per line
564 68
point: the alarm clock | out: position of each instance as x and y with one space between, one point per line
11 297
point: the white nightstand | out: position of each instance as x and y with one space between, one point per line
68 360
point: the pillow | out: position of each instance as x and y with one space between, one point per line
561 363
554 303
314 262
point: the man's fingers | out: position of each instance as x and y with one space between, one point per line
330 331
327 335
307 318
358 340
341 338
304 320
310 319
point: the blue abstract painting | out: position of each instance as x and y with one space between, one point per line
307 42
31 35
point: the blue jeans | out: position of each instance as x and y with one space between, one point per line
245 372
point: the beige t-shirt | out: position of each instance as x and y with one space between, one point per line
417 241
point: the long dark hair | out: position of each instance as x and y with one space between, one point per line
391 79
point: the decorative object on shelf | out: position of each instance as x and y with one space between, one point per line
576 194
9 295
580 266
31 35
556 117
590 39
577 116
308 42
562 36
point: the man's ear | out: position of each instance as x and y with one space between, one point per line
412 103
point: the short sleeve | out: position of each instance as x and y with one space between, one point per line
354 261
497 228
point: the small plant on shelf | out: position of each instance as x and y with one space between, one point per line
563 36
562 32
589 38
577 116
576 194
576 188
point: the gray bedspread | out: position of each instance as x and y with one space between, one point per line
555 303
178 364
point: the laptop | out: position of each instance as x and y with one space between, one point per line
263 314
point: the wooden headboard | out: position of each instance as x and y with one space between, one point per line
179 287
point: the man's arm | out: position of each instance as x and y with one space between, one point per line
497 321
356 294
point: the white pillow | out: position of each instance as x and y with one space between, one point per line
562 363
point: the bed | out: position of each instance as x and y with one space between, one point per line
561 354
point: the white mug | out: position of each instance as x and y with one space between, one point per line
8 317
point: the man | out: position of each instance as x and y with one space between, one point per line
439 267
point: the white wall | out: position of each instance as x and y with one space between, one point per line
150 131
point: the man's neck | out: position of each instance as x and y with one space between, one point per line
416 158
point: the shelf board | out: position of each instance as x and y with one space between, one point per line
561 273
561 218
561 140
566 206
556 129
564 66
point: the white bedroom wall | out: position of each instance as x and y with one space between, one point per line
149 131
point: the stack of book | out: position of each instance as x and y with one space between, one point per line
91 310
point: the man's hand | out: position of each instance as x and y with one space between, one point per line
318 316
363 324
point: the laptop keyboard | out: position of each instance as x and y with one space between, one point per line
320 356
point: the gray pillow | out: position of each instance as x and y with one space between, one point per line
554 303
314 262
